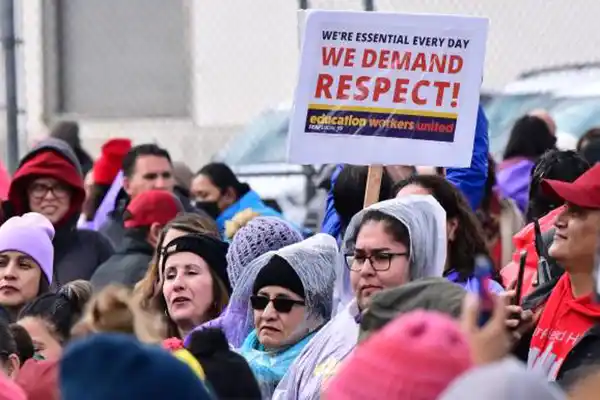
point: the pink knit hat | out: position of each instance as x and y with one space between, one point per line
415 357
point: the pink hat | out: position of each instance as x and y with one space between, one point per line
415 357
10 390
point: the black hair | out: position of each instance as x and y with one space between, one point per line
8 345
392 226
223 177
147 149
530 137
67 131
591 151
490 183
588 137
60 310
25 348
349 191
564 166
469 239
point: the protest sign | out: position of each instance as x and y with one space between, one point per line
385 88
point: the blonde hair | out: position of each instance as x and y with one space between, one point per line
115 309
238 221
148 291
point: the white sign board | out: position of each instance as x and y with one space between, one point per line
385 88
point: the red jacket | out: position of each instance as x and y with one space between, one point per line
525 240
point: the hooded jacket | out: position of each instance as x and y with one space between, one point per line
77 253
562 325
425 220
127 266
525 241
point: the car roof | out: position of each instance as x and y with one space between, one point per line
588 89
550 80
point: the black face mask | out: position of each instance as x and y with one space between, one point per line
209 207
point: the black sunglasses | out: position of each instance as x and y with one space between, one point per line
280 304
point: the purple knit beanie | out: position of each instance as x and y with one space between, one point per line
30 234
257 237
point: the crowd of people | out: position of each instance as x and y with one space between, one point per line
131 277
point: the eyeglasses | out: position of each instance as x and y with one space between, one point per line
380 261
40 190
280 304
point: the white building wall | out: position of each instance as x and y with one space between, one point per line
245 55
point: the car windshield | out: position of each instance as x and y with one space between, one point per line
576 115
504 110
263 141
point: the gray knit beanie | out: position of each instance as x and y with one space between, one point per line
260 235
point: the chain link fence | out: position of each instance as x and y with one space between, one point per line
190 75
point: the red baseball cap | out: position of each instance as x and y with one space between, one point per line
584 192
153 206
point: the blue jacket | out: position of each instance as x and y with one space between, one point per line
249 200
470 181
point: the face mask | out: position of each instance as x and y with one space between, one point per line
209 207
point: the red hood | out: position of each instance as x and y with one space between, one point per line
52 164
4 182
525 240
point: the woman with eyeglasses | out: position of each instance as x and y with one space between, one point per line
49 181
385 245
290 295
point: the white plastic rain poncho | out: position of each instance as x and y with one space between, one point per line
425 220
427 256
313 260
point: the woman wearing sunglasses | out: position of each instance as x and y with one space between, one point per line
385 245
290 292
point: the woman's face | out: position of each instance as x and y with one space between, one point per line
276 329
19 278
50 198
187 289
44 342
380 262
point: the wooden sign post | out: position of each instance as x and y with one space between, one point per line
373 186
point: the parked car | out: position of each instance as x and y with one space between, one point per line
575 111
486 97
258 157
531 90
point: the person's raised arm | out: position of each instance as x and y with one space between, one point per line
331 221
471 181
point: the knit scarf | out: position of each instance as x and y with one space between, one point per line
269 367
